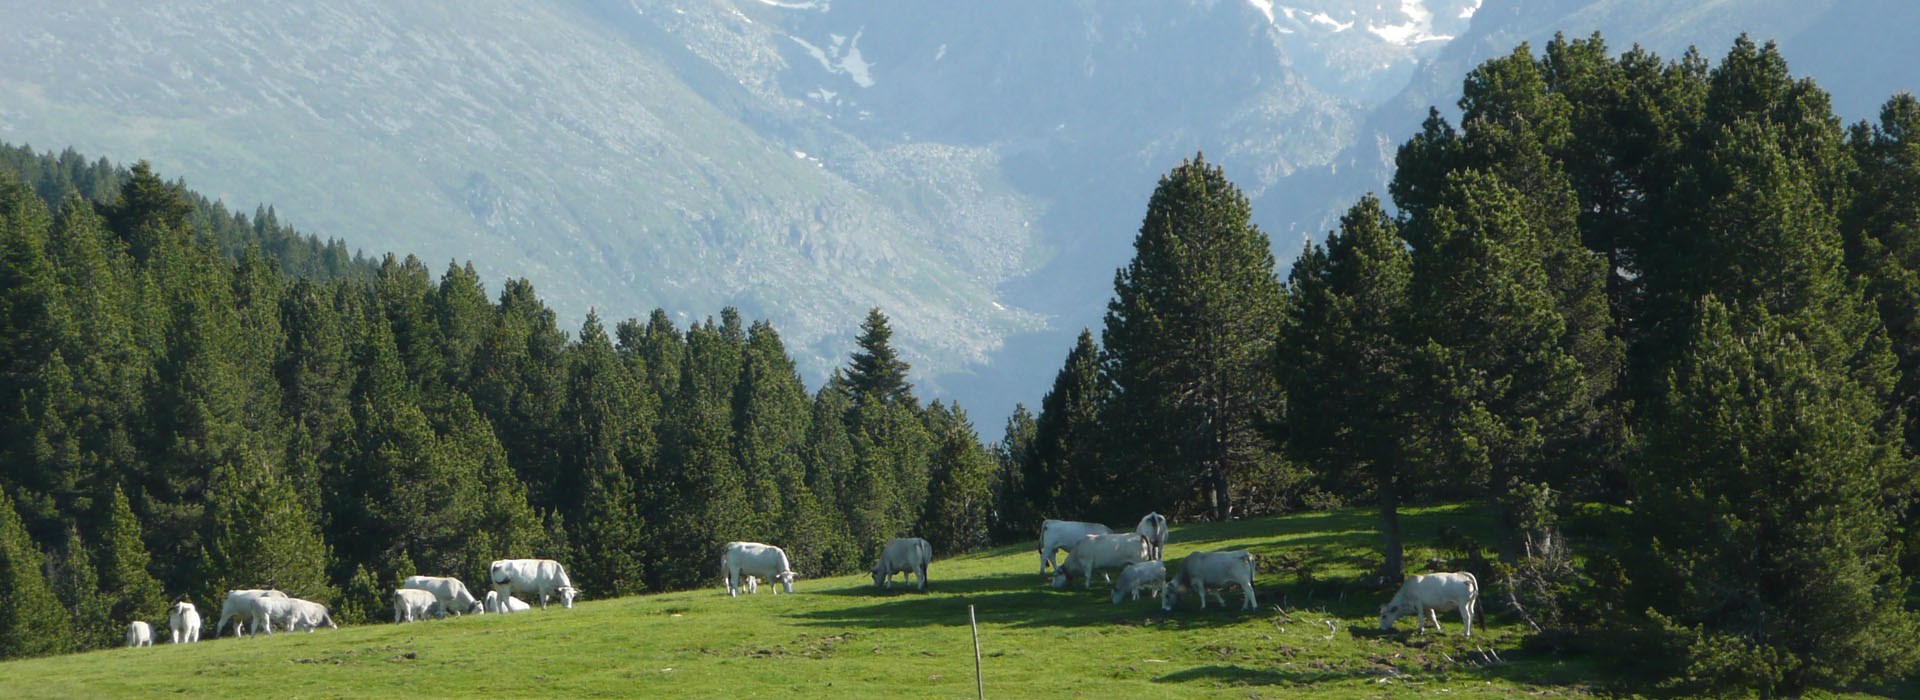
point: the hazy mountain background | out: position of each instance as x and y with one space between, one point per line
976 169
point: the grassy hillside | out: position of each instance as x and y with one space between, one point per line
840 636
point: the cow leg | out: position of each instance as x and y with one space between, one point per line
1466 618
1435 616
1250 603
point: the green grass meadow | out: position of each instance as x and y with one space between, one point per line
1315 632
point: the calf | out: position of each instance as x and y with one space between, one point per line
184 622
452 593
908 555
139 634
1056 535
492 603
1099 552
1422 595
307 615
1153 527
1203 570
411 604
1150 575
755 559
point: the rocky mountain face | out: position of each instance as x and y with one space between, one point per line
976 169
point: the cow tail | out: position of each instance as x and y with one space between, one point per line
1475 582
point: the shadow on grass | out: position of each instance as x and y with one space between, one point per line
1267 676
1015 600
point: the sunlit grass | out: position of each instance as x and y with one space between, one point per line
841 637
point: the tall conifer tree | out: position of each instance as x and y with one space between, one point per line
1188 343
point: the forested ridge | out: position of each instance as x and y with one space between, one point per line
1678 289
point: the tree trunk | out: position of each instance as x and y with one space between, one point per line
1222 498
1394 565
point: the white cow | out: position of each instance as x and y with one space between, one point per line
537 578
452 593
268 610
906 555
753 584
1149 575
1203 570
412 604
1056 535
1099 552
492 603
755 559
184 621
1423 595
307 615
239 607
139 634
1153 527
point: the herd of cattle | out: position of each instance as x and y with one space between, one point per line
1091 548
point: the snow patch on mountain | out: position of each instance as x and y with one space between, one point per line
842 56
1264 6
1416 30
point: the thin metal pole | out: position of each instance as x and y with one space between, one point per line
979 685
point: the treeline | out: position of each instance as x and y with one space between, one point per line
1677 289
200 401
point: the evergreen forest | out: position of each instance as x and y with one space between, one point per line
1676 291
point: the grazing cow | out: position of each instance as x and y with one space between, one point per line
1203 570
184 621
1153 527
537 578
1056 535
492 603
1150 575
411 604
906 555
307 615
755 559
1099 552
239 608
1422 595
139 634
452 593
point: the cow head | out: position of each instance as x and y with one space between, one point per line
1392 611
786 579
567 594
1062 576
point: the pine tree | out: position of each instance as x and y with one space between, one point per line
1762 475
32 622
78 589
1014 515
608 443
771 414
131 592
829 458
1188 344
959 512
877 373
1342 363
1881 230
1064 474
706 501
259 536
1492 382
